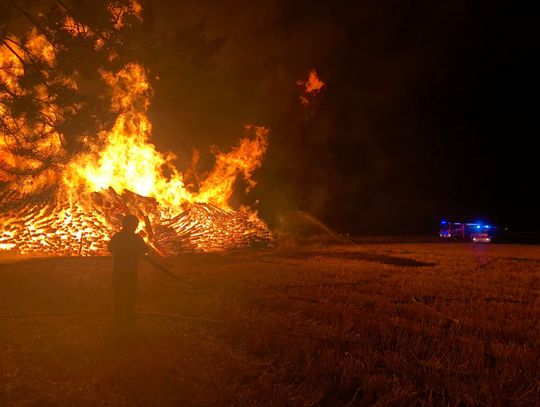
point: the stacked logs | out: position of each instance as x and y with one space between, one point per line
64 230
207 228
83 227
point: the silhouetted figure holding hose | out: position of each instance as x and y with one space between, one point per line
127 247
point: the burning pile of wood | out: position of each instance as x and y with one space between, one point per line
204 227
84 227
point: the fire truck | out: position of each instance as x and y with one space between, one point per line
474 232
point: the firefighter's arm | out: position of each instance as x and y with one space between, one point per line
144 248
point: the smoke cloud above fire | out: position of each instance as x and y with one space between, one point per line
407 88
329 157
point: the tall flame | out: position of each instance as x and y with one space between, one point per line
128 161
121 171
217 188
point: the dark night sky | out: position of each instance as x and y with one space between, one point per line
429 109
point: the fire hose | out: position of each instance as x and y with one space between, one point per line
165 270
154 249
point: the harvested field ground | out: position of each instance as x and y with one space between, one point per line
370 324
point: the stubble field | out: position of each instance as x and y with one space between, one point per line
371 324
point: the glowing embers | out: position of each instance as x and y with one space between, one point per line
83 228
205 227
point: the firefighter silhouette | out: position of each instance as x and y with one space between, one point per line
127 247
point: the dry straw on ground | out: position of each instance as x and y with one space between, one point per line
372 324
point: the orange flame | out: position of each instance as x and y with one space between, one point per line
96 187
128 161
24 134
312 87
217 188
121 172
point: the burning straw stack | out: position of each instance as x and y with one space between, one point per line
84 227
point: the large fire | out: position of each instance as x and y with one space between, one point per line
120 172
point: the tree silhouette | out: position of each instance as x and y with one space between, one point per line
52 94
